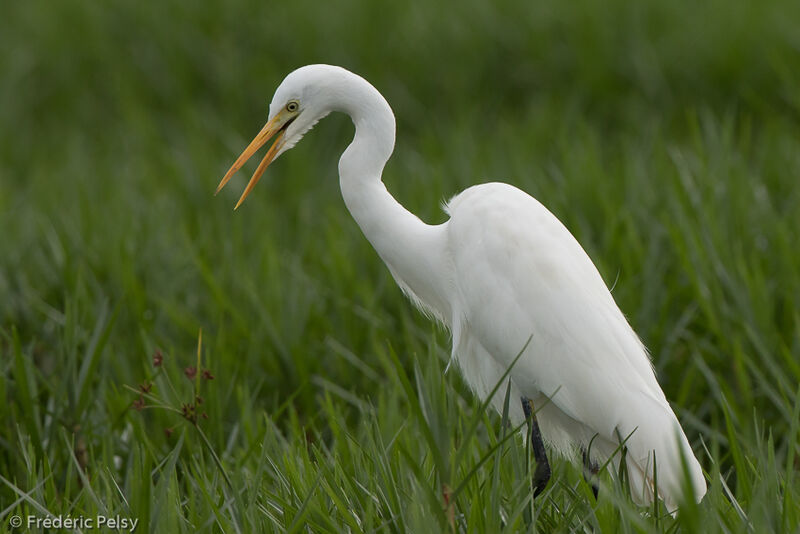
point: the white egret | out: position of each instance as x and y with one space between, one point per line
501 271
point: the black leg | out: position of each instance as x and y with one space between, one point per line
590 470
541 476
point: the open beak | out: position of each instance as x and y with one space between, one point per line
273 127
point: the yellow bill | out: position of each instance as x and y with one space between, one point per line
273 127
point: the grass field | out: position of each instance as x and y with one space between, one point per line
665 135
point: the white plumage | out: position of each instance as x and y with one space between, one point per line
501 271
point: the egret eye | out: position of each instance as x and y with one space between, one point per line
292 106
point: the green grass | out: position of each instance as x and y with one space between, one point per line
663 134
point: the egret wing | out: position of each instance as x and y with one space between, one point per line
520 274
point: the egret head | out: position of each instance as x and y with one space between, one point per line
302 99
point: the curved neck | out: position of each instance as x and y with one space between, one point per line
413 250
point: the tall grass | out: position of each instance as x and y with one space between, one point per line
663 134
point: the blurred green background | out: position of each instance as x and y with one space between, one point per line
665 135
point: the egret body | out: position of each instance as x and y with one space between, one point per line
501 272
